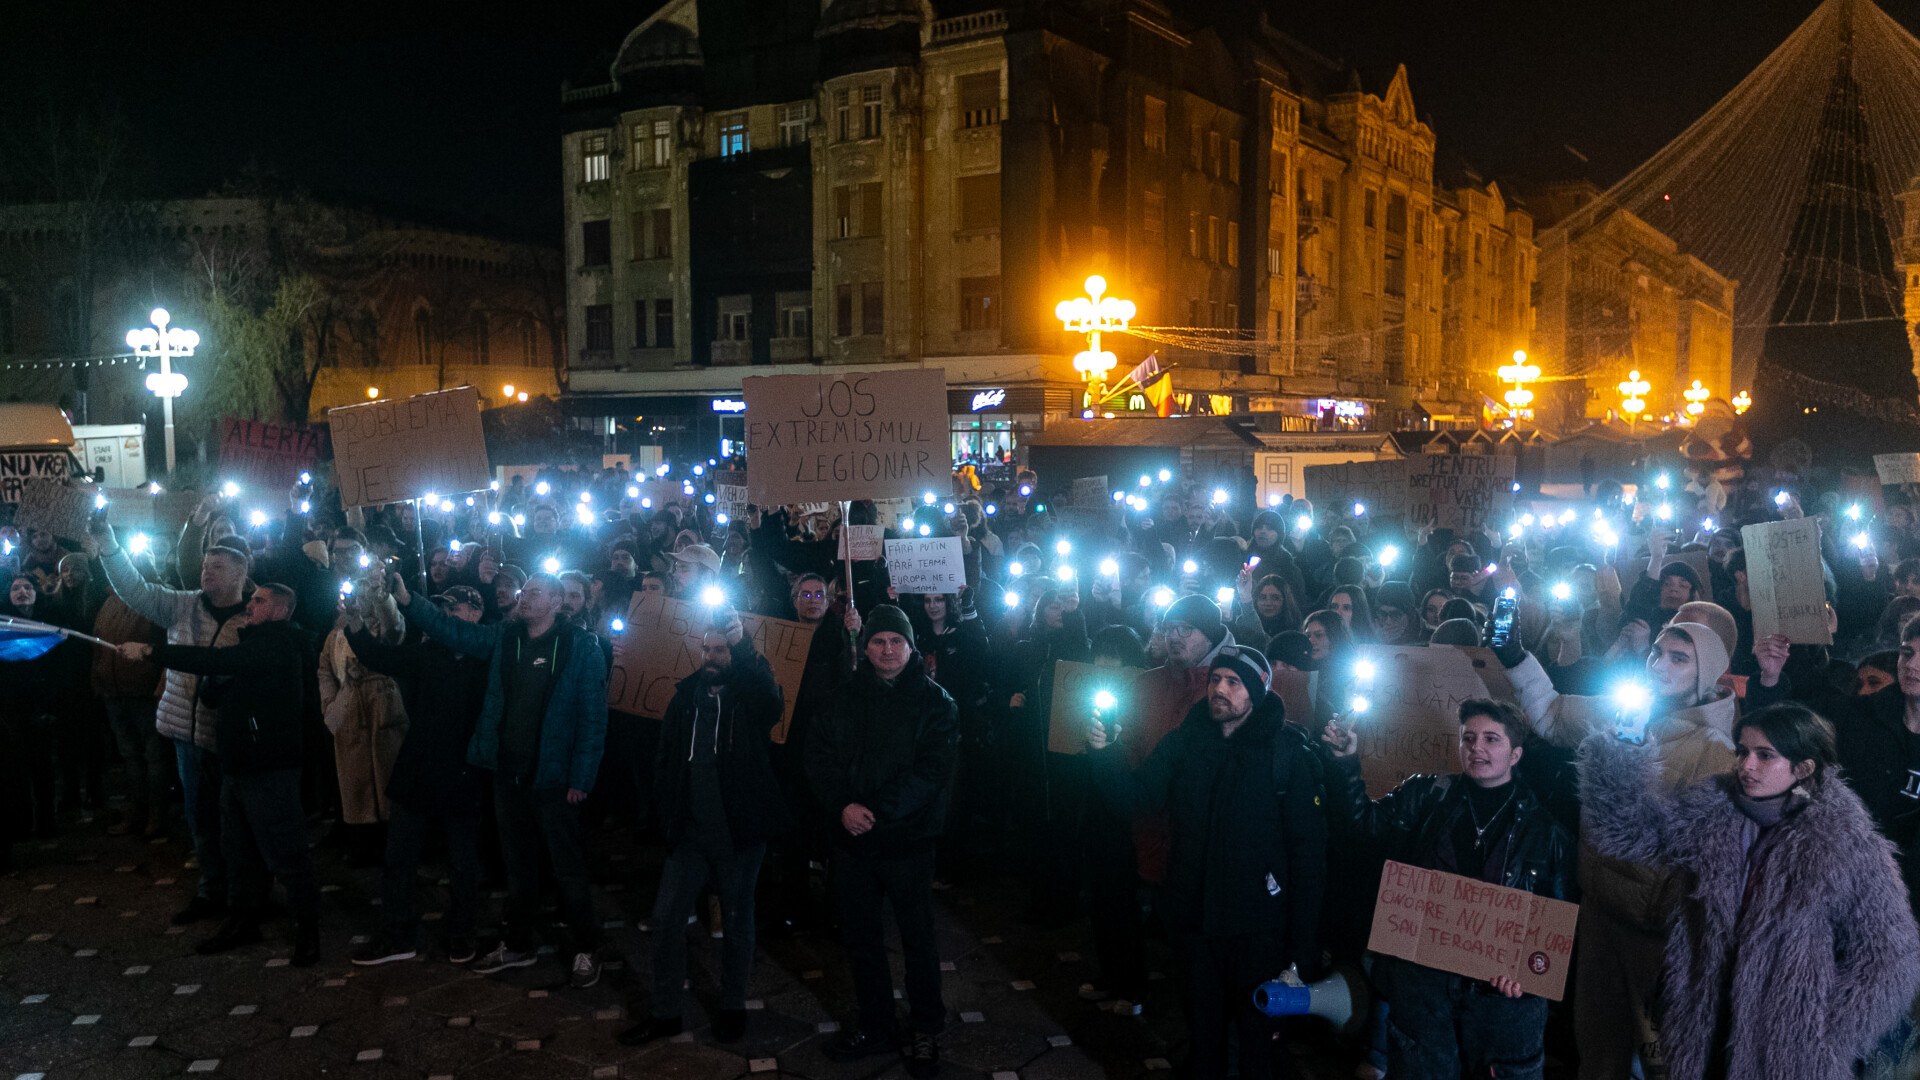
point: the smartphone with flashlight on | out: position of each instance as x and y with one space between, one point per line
1500 631
1103 706
1635 702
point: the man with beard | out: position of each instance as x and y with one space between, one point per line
1247 868
718 805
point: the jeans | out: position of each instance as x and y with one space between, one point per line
200 789
406 835
145 752
265 829
539 827
1220 973
861 884
687 871
1444 1026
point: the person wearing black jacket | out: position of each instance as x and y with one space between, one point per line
432 782
1481 823
880 759
718 805
260 685
1241 792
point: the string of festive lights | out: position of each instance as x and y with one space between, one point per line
58 362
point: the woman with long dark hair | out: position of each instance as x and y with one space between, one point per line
1792 950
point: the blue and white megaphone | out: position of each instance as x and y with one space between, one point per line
1340 998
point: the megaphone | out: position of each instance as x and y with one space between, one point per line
1340 999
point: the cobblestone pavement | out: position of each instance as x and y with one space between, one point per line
96 985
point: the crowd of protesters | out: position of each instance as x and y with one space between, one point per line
1741 837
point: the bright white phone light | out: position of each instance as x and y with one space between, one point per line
1189 567
1063 547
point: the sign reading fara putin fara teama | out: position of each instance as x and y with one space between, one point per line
389 451
859 435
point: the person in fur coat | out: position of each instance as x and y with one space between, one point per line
1792 949
364 710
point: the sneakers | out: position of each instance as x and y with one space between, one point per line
656 1028
459 950
235 933
853 1045
716 926
382 950
586 970
1094 992
1367 1070
923 1058
197 909
730 1025
502 958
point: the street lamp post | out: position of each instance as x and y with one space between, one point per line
1635 389
1092 315
1519 373
1696 396
166 384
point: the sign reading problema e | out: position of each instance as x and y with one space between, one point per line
387 451
827 438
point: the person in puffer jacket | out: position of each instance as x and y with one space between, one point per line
1626 908
210 615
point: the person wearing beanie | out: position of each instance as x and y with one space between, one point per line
1484 823
880 759
1624 908
1247 868
1270 547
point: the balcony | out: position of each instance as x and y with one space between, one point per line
731 352
962 27
789 350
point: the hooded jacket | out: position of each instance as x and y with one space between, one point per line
1690 744
189 619
750 704
1249 845
892 749
1799 963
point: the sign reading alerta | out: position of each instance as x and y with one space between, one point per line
828 438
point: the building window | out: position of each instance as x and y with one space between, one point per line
842 212
1153 223
593 158
1479 242
1193 234
1233 243
663 324
422 337
980 303
1213 313
1371 203
1396 213
733 135
1213 153
870 112
793 120
873 309
1420 227
796 315
979 99
1273 255
1153 125
1326 197
842 116
599 327
1233 316
662 143
662 233
980 201
1233 160
1193 313
870 196
481 350
734 314
596 243
529 348
1196 140
843 311
639 324
638 225
1213 238
1277 172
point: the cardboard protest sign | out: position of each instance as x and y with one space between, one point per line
1458 491
1412 723
1091 491
55 506
661 646
861 435
19 466
1453 923
1784 580
1897 468
861 542
139 510
1381 485
730 495
1074 685
390 451
888 512
260 455
926 565
655 494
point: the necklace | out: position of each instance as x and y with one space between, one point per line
1479 830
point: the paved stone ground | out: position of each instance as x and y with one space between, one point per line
95 985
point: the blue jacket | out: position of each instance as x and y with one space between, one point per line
575 729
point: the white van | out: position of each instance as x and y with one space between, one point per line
36 443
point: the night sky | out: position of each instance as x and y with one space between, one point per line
453 111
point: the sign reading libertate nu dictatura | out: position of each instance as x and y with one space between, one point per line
864 435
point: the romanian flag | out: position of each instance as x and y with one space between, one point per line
1160 393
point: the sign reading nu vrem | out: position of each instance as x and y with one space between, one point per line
828 438
19 466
